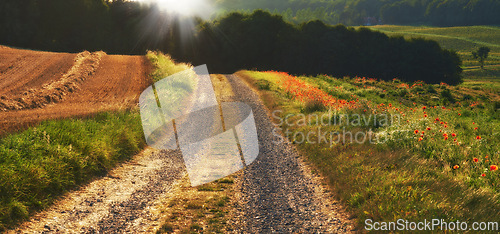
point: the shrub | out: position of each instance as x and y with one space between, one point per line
313 105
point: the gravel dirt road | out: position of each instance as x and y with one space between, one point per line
278 193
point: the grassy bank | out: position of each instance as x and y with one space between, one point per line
418 152
43 162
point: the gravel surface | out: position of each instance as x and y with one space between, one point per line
125 201
278 193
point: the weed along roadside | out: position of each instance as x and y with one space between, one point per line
432 157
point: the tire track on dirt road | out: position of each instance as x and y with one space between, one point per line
277 191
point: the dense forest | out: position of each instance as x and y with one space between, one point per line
369 12
237 41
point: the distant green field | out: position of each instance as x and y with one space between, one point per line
463 40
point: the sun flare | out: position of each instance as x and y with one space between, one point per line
201 8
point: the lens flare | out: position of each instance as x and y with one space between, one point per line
199 8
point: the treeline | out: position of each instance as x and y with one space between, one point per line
73 25
238 41
264 42
369 12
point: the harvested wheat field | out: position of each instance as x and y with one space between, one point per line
36 86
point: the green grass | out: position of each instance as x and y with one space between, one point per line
463 40
43 162
404 176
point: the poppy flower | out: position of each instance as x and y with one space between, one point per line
445 138
425 116
437 119
424 107
475 159
455 167
459 114
420 139
428 129
478 137
453 135
483 175
475 128
416 131
493 167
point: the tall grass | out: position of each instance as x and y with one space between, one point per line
164 65
40 163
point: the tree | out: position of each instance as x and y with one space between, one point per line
481 54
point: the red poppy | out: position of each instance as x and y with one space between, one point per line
424 107
478 137
475 159
425 115
493 167
453 135
428 129
483 175
437 119
459 114
416 131
455 167
475 128
420 139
